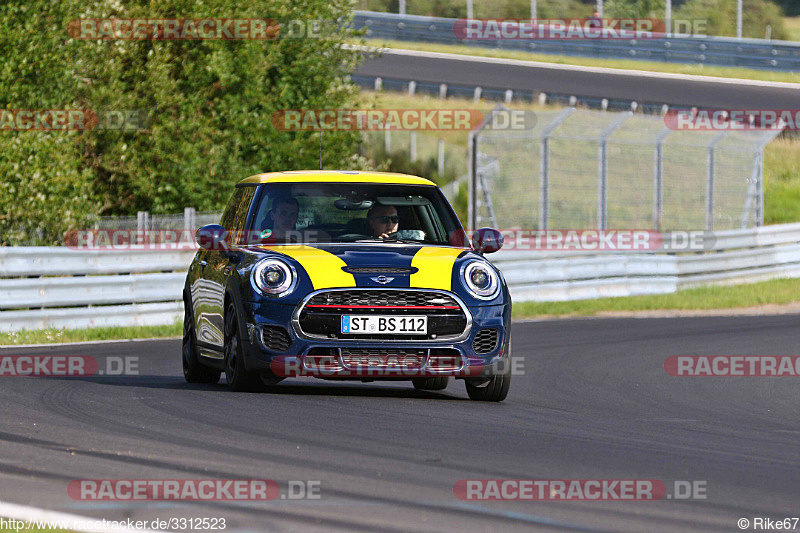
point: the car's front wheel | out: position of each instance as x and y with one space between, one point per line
193 370
237 376
496 388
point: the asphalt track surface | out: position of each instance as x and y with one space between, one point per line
580 82
594 403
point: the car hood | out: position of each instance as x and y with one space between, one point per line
387 265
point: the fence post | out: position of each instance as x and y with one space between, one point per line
413 146
602 161
710 168
440 161
189 219
387 139
658 179
544 166
472 173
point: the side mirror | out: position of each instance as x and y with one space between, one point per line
212 237
487 240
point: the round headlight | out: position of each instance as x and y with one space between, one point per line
481 280
273 277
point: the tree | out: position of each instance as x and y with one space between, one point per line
209 104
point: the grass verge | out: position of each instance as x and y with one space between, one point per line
53 336
792 25
626 64
778 291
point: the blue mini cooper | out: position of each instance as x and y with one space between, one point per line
346 275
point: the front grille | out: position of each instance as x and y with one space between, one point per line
321 317
275 338
384 358
435 359
380 270
485 341
398 298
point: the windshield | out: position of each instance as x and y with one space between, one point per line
353 212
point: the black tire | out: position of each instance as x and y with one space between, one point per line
497 388
193 370
495 391
434 383
237 376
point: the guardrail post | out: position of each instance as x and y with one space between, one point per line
412 148
387 139
658 179
710 159
602 163
544 166
443 91
412 88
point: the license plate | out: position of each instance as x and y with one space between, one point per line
403 325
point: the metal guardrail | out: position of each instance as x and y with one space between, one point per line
55 287
63 288
724 51
738 256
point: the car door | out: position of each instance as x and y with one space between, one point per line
216 268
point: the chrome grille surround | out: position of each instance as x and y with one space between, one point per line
412 295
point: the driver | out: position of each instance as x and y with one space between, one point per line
383 220
282 218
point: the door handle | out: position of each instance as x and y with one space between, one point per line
203 263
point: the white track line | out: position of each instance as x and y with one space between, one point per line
577 68
30 514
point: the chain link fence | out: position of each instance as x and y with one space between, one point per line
190 220
605 170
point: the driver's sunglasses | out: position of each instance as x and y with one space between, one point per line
385 219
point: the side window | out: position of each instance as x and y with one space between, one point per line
235 216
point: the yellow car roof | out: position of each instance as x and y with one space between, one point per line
347 176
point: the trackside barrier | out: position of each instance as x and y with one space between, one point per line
725 51
43 287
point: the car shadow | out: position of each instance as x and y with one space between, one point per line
287 387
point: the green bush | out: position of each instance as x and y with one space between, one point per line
721 17
209 104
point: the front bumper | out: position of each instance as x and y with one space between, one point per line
373 359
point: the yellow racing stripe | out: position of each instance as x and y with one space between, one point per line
324 268
435 267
